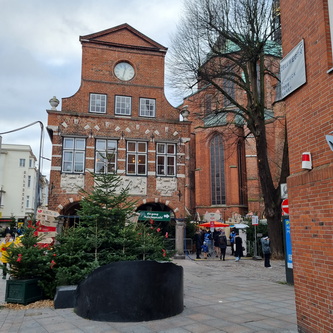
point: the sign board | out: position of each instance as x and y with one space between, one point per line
156 216
289 255
292 70
284 191
212 216
47 217
285 206
255 220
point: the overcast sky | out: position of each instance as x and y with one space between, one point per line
40 54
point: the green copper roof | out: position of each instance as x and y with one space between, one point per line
220 119
215 119
271 48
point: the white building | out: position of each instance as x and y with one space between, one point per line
18 185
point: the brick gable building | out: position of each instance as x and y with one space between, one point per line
119 121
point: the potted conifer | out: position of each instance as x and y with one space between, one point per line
30 266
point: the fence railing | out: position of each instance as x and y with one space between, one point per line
188 245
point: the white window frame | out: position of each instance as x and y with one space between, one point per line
166 159
97 103
106 156
136 158
73 155
123 105
22 162
147 107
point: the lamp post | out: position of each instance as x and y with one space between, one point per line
39 157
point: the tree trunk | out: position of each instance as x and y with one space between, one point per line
270 194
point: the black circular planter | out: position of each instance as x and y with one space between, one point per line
128 291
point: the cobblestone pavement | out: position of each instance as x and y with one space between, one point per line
253 269
219 296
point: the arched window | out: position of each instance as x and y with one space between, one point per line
241 172
217 170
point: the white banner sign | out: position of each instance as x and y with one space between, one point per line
292 70
255 220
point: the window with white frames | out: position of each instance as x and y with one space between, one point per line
27 205
29 181
106 156
123 105
73 155
136 158
147 107
97 103
22 162
166 159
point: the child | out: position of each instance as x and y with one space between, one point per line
204 249
4 258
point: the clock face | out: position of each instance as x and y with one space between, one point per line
124 71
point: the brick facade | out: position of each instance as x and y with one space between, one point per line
242 186
309 119
101 52
191 190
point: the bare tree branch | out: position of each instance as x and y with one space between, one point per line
227 46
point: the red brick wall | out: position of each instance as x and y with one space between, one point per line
309 118
202 173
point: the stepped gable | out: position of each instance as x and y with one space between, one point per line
120 36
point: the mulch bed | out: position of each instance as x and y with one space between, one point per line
36 305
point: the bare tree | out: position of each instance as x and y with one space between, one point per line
225 43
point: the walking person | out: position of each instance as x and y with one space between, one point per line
4 258
208 241
216 234
238 246
266 250
232 241
198 243
222 245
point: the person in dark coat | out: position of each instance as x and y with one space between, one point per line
222 245
216 234
239 247
198 243
266 250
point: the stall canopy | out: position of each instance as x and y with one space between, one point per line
216 225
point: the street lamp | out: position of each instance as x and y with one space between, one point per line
39 157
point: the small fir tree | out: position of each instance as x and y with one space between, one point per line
105 233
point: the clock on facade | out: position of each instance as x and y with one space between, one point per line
124 71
